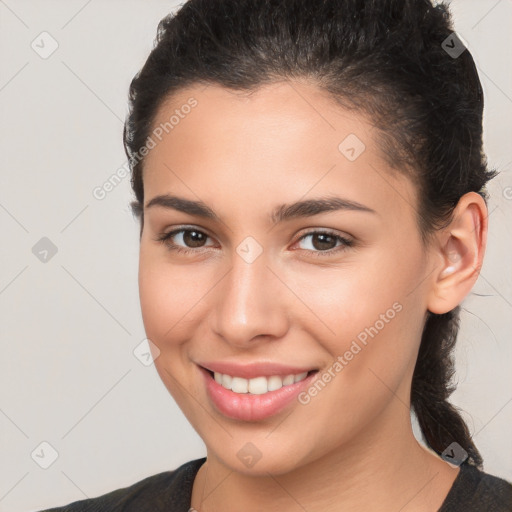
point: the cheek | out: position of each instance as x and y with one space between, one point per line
370 317
365 289
167 296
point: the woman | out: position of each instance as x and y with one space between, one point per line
309 179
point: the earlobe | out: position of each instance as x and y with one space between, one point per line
461 247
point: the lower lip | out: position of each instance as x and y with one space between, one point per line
249 407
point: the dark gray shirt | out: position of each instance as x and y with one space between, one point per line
171 491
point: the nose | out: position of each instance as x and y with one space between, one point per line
250 303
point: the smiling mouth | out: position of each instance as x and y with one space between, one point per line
257 385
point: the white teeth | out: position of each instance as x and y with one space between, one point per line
274 382
300 376
227 381
289 379
238 385
257 385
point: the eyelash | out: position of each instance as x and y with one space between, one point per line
165 239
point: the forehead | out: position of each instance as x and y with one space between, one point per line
287 139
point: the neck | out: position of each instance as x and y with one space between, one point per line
384 468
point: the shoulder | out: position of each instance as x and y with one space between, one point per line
475 490
155 493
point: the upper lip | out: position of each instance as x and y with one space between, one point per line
249 371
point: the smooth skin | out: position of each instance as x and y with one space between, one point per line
352 446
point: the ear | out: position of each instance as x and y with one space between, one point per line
459 251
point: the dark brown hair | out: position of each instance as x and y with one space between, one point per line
387 59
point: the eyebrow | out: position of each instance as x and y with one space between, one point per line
281 213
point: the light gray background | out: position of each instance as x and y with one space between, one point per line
69 326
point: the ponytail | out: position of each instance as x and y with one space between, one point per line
440 422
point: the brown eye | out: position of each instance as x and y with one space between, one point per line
325 243
193 238
188 241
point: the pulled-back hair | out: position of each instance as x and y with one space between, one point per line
388 60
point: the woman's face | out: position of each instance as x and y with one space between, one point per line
262 292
